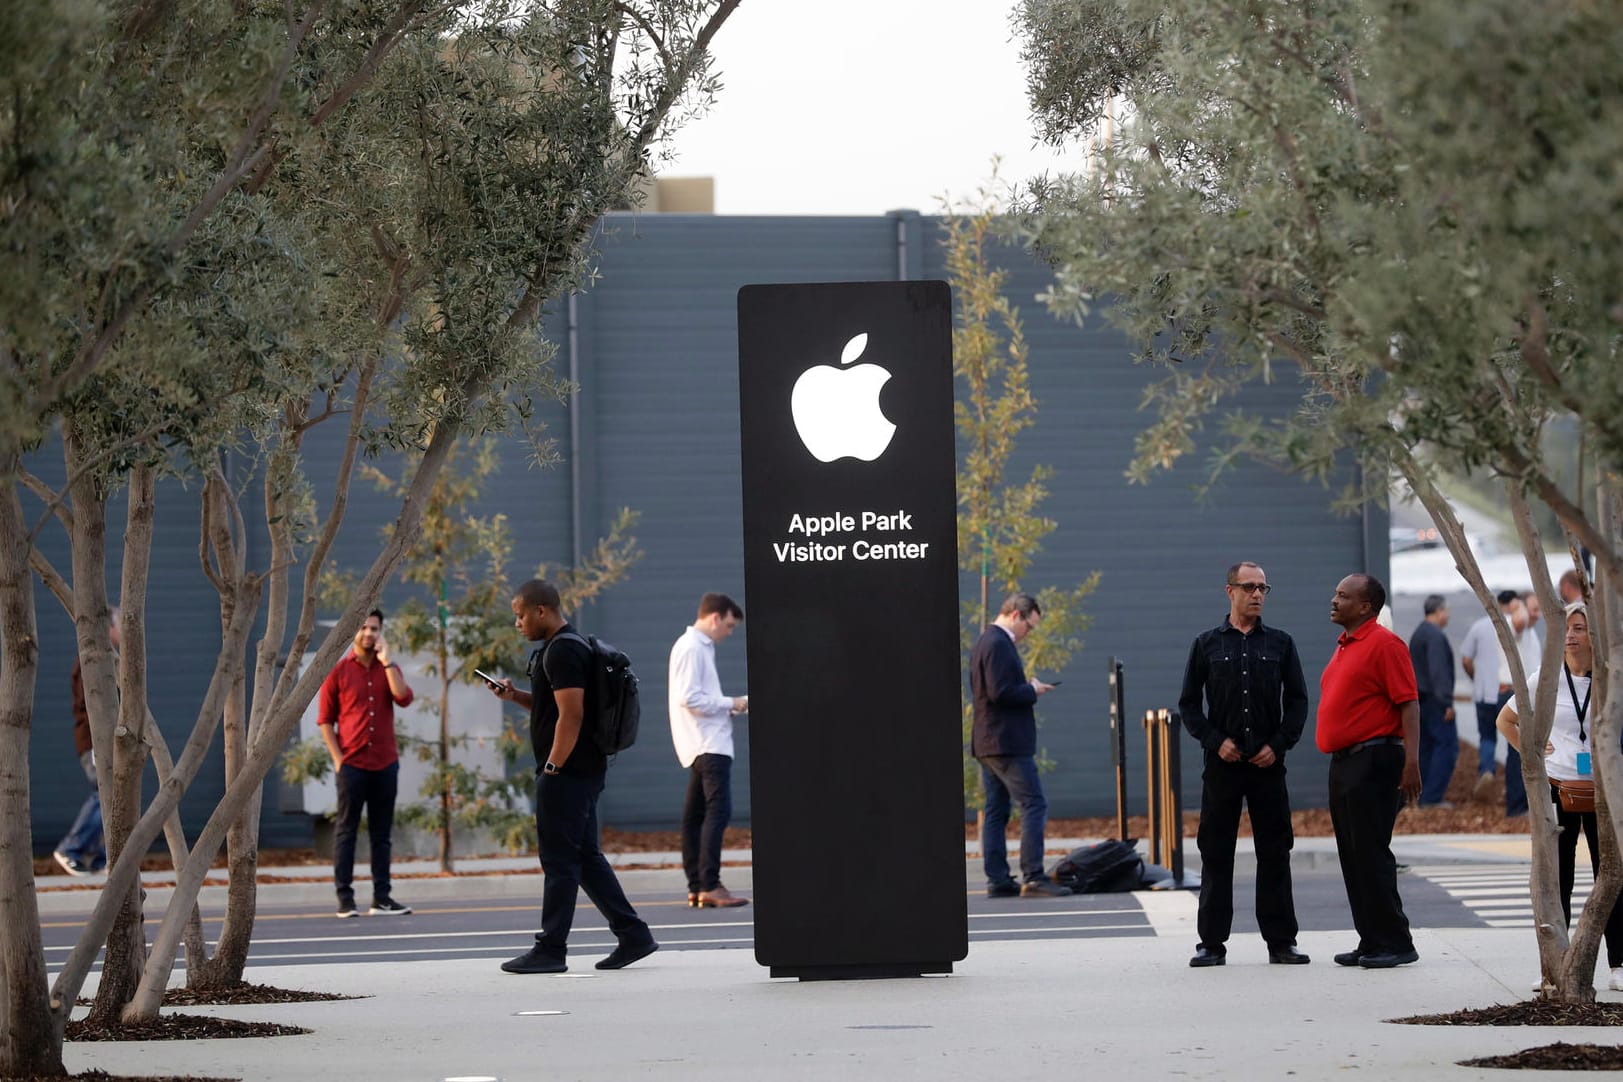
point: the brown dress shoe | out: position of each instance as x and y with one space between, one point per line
720 898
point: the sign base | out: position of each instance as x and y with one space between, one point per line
874 972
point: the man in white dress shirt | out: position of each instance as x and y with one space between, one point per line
702 731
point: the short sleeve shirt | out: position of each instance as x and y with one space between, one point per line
357 699
563 663
1368 681
1569 734
1481 646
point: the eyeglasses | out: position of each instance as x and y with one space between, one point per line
1252 587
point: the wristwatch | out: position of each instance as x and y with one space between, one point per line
550 768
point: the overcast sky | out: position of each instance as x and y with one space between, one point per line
862 106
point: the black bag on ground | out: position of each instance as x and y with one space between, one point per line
1104 868
617 708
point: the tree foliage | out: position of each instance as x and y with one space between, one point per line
458 616
1409 210
1000 524
225 224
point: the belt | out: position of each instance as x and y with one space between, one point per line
1378 742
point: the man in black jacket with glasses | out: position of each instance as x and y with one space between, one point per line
1245 700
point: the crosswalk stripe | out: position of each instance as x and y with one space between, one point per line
1496 895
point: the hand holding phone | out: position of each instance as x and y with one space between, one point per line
495 684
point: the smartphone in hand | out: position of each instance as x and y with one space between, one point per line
495 684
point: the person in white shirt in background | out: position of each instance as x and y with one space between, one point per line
702 731
1484 662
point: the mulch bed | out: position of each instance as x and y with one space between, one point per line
103 1076
1529 1012
179 1027
244 993
241 994
1557 1057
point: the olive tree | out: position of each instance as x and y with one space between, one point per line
1001 526
459 617
1409 211
440 166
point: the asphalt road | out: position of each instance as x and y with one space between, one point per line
470 924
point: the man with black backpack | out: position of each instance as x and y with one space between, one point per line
566 687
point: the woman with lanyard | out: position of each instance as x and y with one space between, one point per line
1571 770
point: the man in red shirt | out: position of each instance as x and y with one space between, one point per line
357 721
1369 722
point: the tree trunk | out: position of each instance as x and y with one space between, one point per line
1548 922
114 690
267 744
30 1037
124 872
1565 966
230 960
175 836
1606 624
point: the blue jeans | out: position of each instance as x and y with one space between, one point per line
1487 736
374 792
1439 751
566 823
1515 786
705 812
1013 778
84 842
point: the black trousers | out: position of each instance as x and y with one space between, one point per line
371 791
1572 823
1225 787
705 812
566 821
1364 803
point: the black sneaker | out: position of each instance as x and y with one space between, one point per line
1006 889
389 907
347 909
69 865
626 953
536 960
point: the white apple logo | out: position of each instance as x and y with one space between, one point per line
836 410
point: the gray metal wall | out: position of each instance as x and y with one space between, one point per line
655 429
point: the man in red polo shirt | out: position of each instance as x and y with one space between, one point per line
1369 722
357 721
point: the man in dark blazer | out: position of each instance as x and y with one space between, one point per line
1004 741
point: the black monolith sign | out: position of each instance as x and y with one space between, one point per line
851 580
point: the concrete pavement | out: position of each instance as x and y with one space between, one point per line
1115 1008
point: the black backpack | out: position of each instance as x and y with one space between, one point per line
1100 869
618 710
